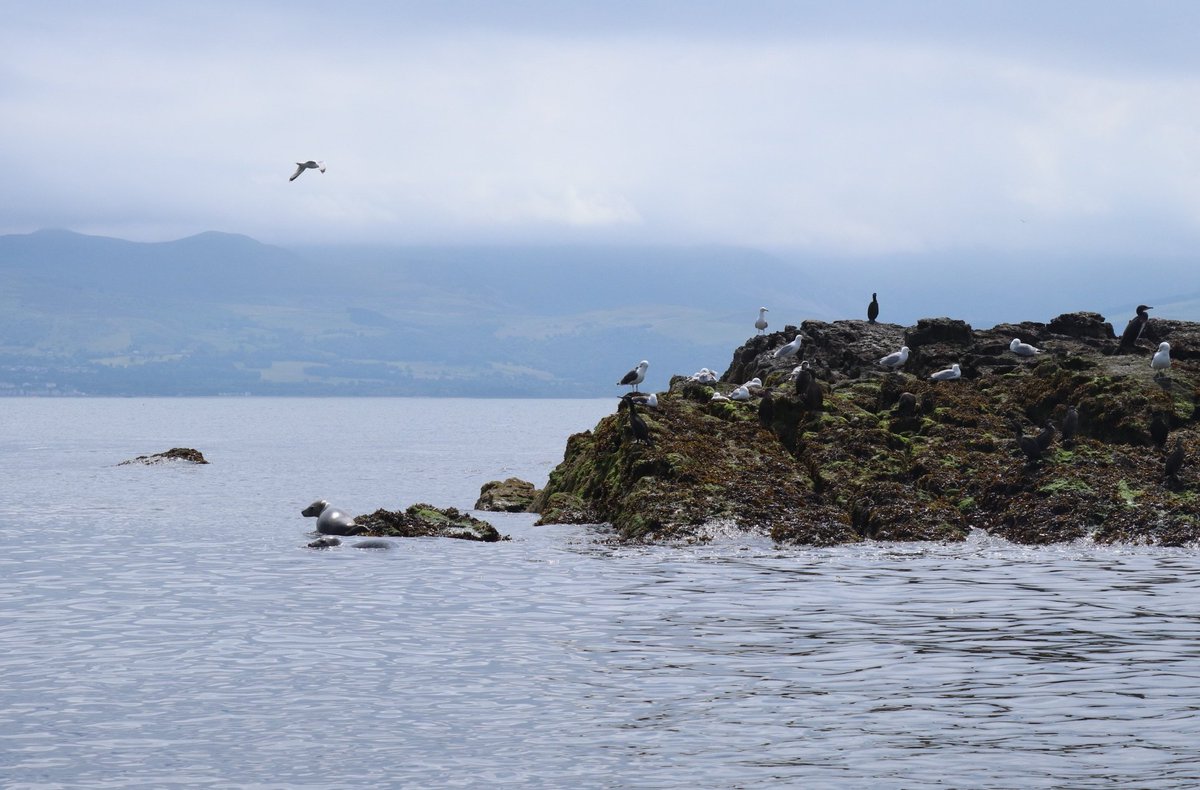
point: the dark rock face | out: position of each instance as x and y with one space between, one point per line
929 331
896 456
508 496
175 454
427 521
1080 325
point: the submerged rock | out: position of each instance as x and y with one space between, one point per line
175 454
513 495
895 456
427 521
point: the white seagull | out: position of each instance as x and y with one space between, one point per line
635 376
302 166
753 384
741 393
790 350
1023 349
949 374
761 323
895 359
1162 358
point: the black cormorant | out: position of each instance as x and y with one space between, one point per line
1133 330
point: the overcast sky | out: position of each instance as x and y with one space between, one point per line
849 128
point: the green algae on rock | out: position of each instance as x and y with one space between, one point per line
426 521
513 495
895 456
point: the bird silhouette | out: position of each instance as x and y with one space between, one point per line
310 164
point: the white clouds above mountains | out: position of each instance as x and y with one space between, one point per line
860 130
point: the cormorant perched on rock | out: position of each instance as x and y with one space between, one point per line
1161 359
1133 330
1046 436
1070 426
907 404
1175 460
1160 427
766 409
803 376
813 397
641 434
635 376
761 323
873 309
1029 445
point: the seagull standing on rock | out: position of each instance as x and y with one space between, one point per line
790 350
635 377
896 359
949 374
310 164
761 323
1162 358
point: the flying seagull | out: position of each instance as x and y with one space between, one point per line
302 166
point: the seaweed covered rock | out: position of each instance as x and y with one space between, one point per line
513 495
175 455
892 455
427 521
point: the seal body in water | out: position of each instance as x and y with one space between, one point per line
374 543
330 520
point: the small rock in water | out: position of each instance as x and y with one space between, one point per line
181 454
513 495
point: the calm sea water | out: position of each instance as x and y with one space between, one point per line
164 626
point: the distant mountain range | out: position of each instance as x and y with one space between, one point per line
219 314
224 314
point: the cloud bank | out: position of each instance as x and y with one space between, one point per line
859 133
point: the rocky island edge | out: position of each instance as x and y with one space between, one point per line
876 454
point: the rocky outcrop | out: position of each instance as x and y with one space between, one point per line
513 495
427 521
896 456
174 455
